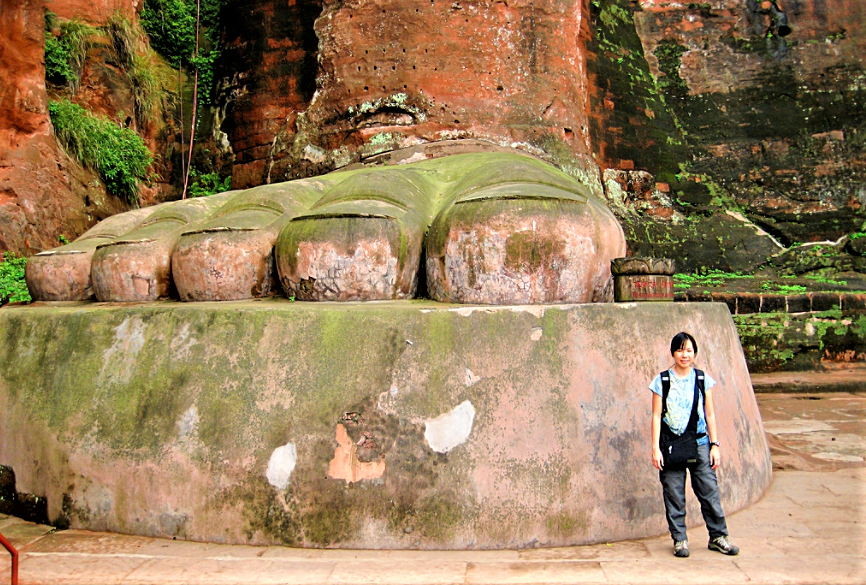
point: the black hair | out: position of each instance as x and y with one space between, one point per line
679 341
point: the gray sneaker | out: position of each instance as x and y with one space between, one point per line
681 548
723 545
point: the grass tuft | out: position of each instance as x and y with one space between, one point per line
118 154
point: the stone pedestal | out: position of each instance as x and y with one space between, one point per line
415 425
643 279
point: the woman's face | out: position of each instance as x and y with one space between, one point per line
685 356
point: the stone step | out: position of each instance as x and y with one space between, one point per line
847 380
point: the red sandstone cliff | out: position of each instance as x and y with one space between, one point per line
43 193
393 74
675 111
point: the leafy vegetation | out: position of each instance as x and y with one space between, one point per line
669 54
145 81
65 52
208 184
710 277
785 289
13 288
824 280
171 25
118 154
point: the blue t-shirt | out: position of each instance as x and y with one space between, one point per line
679 403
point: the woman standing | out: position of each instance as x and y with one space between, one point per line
676 415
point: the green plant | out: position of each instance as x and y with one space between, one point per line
145 82
204 64
707 277
669 54
13 288
118 154
124 38
65 52
208 184
62 239
171 26
145 85
824 280
784 288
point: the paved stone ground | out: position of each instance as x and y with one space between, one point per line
810 528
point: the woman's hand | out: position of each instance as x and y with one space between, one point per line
715 456
658 461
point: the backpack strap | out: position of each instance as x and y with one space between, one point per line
666 388
699 392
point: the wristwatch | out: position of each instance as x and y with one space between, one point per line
716 443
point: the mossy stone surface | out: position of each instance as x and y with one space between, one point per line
161 419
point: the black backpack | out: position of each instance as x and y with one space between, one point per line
680 451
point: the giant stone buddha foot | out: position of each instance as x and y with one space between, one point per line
495 228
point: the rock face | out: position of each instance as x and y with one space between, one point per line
651 87
268 72
677 112
64 274
754 112
394 74
43 194
515 234
483 427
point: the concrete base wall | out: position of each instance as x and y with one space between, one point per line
382 425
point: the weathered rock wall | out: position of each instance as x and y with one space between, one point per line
268 76
387 425
94 12
773 128
778 122
714 137
393 74
719 117
43 192
814 331
29 159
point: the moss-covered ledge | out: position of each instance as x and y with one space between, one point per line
385 425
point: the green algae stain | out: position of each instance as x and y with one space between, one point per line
563 524
531 251
669 54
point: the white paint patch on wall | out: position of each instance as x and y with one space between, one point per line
281 465
119 359
187 428
451 429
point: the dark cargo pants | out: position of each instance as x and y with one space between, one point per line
706 488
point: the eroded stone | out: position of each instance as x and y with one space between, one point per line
361 241
506 229
137 265
451 429
516 232
63 274
231 256
281 465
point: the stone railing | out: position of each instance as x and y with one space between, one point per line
811 331
749 303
